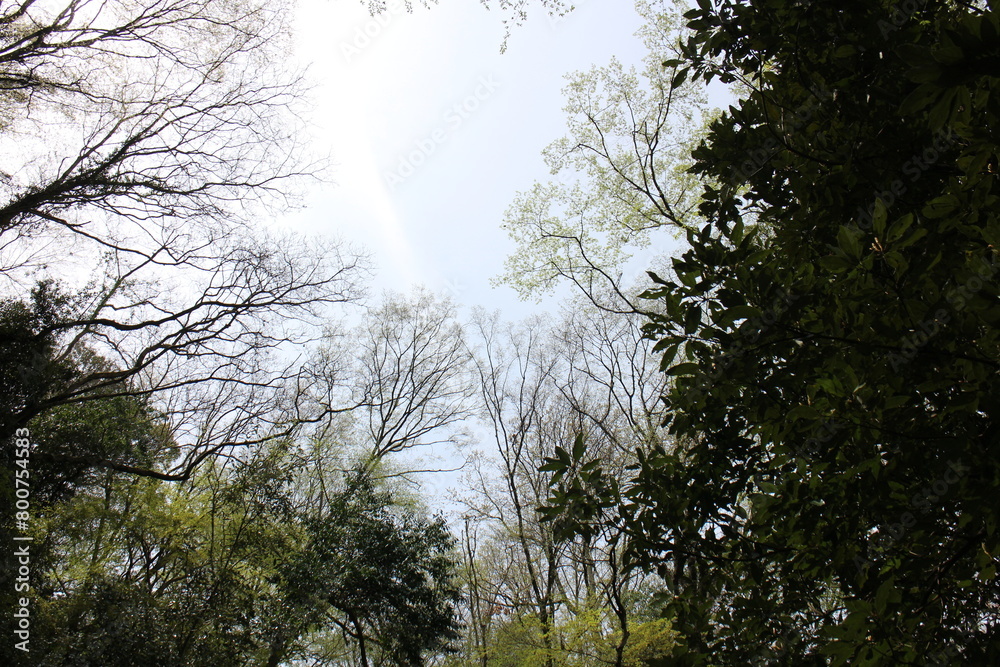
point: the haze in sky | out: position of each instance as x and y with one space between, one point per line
433 130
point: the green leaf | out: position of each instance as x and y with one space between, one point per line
728 316
920 98
879 216
913 238
940 207
898 228
678 80
847 240
803 412
887 593
835 263
687 368
552 465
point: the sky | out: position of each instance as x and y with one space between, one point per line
433 130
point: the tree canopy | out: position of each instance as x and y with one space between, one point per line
828 493
779 448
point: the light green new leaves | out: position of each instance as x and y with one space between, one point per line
622 166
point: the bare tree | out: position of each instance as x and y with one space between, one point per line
401 377
164 116
612 381
413 372
542 384
612 377
515 367
140 143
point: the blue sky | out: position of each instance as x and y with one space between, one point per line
433 130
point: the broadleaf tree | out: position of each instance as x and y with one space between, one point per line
829 496
619 175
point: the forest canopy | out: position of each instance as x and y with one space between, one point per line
776 447
826 494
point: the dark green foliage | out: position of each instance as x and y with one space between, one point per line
73 438
832 497
228 568
28 369
116 623
385 573
76 430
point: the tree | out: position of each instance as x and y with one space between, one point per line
622 163
536 596
150 136
518 404
236 566
139 569
827 500
262 553
383 577
413 372
396 381
31 367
